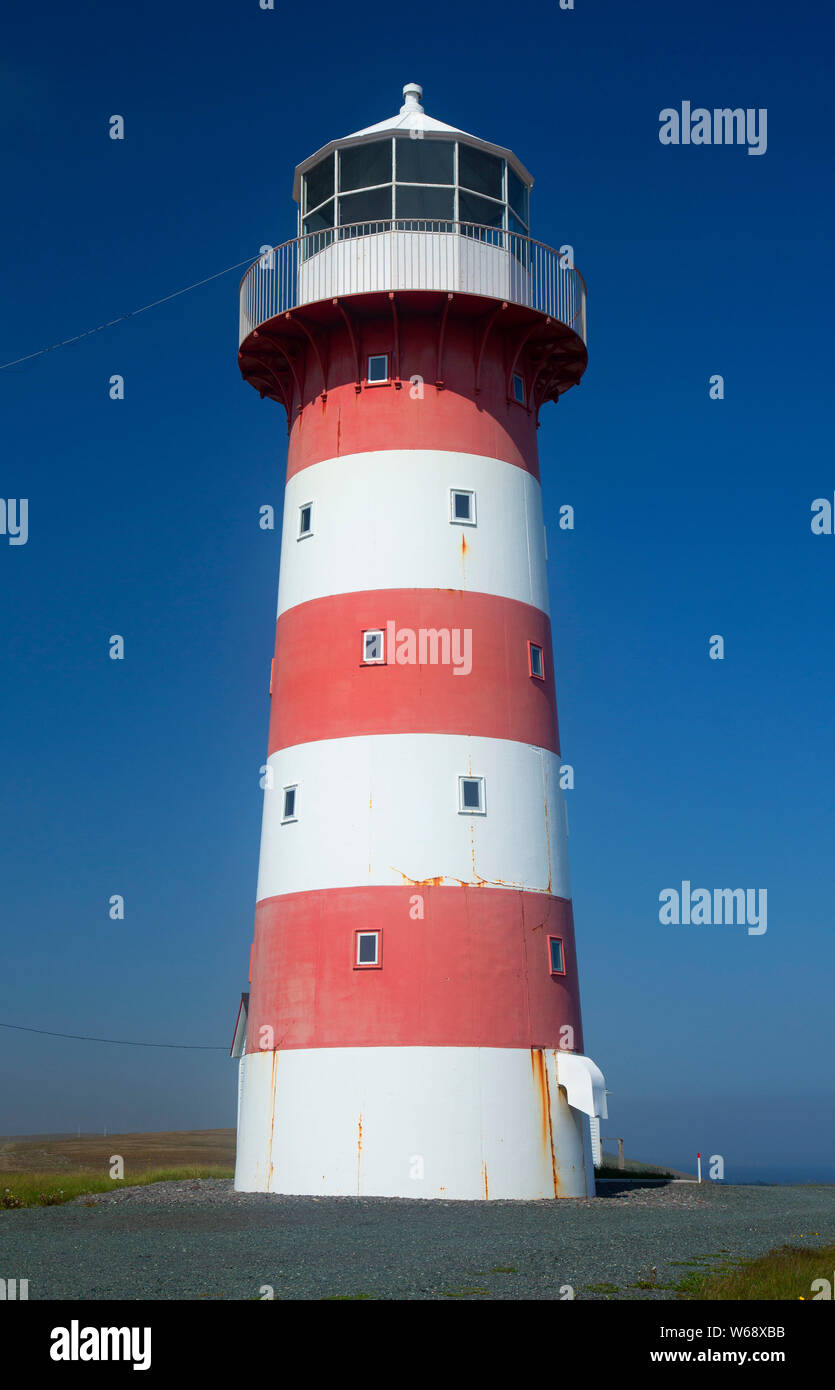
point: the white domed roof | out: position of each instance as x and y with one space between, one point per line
411 116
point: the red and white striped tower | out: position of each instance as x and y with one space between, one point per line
414 1024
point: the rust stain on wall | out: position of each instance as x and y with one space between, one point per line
486 1190
446 880
359 1153
543 1092
272 1114
435 882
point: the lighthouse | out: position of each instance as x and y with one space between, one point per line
412 1026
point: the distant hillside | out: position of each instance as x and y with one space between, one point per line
45 1153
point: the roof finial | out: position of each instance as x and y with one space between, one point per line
412 94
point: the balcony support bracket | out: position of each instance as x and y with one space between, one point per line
279 346
396 330
491 318
351 334
439 369
300 323
268 367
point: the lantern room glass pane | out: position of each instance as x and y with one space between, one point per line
425 202
372 206
318 183
518 245
474 209
362 166
479 171
318 230
320 219
424 161
517 195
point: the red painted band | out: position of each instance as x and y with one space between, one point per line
472 971
323 690
417 414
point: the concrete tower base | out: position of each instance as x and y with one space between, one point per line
465 1123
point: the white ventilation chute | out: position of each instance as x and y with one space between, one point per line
584 1083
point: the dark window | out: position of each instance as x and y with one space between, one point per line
518 388
373 206
438 203
517 195
474 209
378 368
479 171
318 183
537 661
364 165
557 961
463 507
289 803
373 645
424 161
471 793
305 519
367 948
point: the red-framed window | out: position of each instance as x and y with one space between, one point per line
368 949
556 955
536 661
373 647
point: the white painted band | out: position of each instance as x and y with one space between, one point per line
437 1122
384 809
381 520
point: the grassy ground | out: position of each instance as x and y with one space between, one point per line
48 1169
786 1273
52 1189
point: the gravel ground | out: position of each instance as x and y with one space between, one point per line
200 1239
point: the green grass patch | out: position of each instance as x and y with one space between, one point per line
53 1189
602 1288
786 1273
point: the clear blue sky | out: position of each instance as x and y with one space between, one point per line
692 518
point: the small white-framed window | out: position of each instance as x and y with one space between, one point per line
462 506
378 369
368 950
373 646
471 797
536 661
518 383
290 804
305 520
